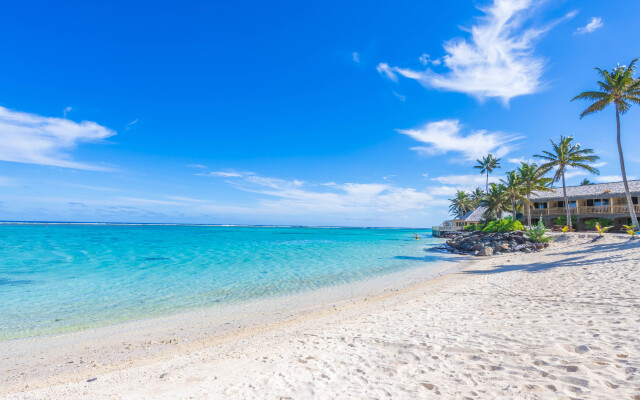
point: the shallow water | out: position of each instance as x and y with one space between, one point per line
57 278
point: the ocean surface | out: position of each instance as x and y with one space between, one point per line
59 278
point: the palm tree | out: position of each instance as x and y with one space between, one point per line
585 182
495 200
532 179
460 204
620 88
487 165
513 188
476 196
567 154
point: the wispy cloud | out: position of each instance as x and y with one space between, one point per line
33 139
496 61
356 57
447 136
130 124
465 181
196 166
400 96
595 23
4 181
612 178
66 111
520 160
225 174
299 197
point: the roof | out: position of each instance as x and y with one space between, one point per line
475 215
597 190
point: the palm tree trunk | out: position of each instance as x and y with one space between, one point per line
528 212
566 201
632 212
513 205
486 186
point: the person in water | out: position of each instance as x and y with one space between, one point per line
415 235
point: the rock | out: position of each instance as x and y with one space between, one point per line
477 246
92 380
539 246
485 251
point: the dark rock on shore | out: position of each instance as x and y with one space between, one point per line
487 244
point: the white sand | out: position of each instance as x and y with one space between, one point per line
563 323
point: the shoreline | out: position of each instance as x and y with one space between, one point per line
143 341
558 323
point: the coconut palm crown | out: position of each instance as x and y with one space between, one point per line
486 166
460 204
565 154
532 179
496 201
620 88
514 191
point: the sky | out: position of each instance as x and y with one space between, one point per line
294 113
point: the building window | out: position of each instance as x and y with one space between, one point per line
589 202
572 204
601 202
634 200
560 204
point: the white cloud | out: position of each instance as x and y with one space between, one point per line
66 111
347 199
425 59
224 174
137 200
196 166
612 178
385 69
33 139
446 135
520 160
466 182
356 57
595 23
496 61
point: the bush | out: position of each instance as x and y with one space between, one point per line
604 222
537 234
563 221
503 225
469 228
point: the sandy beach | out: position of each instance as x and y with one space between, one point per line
562 323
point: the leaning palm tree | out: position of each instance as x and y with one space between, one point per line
620 88
460 204
533 180
496 201
476 196
486 166
567 154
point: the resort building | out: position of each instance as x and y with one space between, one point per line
471 218
602 200
587 202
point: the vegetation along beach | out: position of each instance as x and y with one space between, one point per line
408 200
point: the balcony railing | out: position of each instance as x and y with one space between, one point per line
615 209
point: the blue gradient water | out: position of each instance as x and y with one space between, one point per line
56 278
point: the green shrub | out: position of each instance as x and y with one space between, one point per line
604 222
537 234
563 220
469 228
503 225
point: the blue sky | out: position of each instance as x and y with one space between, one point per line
356 113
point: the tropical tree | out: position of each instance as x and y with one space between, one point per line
460 204
513 188
476 196
620 88
585 182
486 166
495 200
565 154
532 180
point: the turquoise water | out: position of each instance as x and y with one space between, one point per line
56 278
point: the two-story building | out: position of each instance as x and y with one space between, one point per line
601 200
